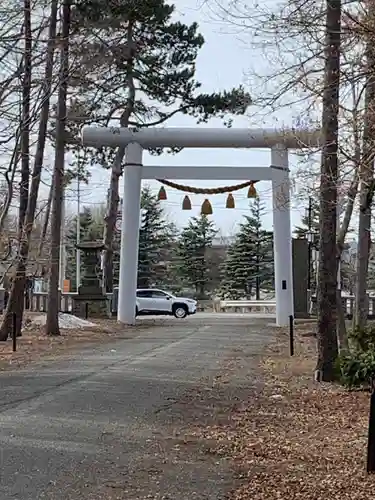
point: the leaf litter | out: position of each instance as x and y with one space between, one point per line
294 439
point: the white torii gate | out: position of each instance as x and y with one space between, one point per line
136 140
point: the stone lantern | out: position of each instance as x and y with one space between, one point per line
91 299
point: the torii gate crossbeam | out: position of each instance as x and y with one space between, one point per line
135 141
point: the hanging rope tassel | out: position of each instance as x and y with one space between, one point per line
206 208
230 201
252 192
162 195
186 203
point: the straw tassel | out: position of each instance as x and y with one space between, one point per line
252 192
230 201
186 204
162 196
206 208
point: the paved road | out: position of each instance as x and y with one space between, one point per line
85 427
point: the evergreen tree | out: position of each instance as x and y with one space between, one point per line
156 238
191 261
136 67
248 267
134 59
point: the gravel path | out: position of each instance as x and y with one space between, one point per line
108 423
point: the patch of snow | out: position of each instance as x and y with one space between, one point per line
276 396
67 321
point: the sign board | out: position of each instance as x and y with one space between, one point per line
66 286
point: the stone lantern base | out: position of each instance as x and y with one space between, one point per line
90 307
91 300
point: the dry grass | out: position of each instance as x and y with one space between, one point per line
297 439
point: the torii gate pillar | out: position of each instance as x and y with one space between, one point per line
130 234
282 237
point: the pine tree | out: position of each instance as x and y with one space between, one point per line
156 237
136 68
248 267
191 262
264 265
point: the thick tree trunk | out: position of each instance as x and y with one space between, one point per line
52 323
20 281
110 221
326 333
16 298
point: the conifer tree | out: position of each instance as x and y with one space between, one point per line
191 261
248 268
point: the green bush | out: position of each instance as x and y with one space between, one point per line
357 369
363 339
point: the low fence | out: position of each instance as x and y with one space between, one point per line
246 306
348 304
269 306
37 302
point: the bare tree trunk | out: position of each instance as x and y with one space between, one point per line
110 220
25 129
326 333
16 297
9 176
52 323
19 279
351 195
366 175
19 283
342 336
45 222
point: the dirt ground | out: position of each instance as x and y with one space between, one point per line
292 438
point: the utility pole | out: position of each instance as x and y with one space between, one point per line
78 236
62 263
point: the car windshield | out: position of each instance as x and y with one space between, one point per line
170 293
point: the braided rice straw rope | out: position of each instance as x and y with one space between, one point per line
194 190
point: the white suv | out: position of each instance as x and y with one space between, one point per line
152 301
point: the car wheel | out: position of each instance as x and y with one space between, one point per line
136 311
180 311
